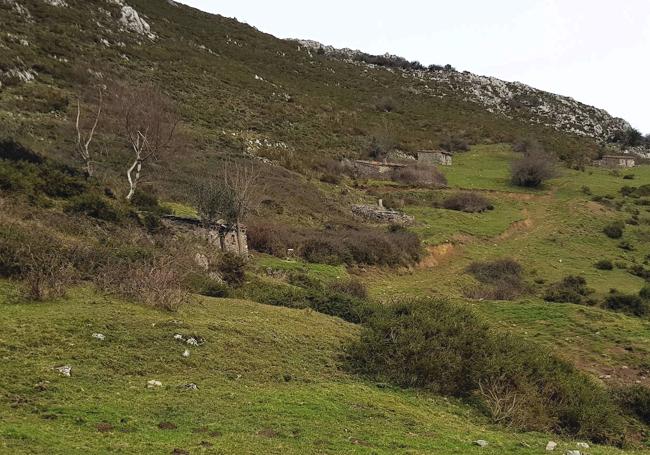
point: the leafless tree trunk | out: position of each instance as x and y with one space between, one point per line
230 199
149 125
84 139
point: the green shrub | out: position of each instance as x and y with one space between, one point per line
448 349
533 169
614 230
644 293
501 279
94 206
635 400
232 269
351 287
468 202
625 245
632 305
572 289
604 264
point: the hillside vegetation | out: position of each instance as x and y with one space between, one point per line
504 304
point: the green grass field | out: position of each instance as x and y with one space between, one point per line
269 381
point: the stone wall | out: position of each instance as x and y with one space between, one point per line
379 214
434 157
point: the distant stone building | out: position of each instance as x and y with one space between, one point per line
626 161
225 237
375 169
435 157
379 214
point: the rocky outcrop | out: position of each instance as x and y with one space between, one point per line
511 99
57 3
132 22
379 214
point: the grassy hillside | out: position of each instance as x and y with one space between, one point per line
267 382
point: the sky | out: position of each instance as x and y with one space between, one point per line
596 51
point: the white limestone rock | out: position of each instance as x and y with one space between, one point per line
57 3
132 22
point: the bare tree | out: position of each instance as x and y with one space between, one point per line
85 139
149 124
231 198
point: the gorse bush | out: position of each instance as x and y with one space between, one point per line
501 279
337 246
420 175
231 267
446 348
533 169
635 400
632 305
571 289
604 264
614 230
95 206
468 202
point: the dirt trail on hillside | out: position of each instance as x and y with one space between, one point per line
436 254
517 227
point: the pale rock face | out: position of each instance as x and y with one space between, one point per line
509 99
65 370
17 7
57 3
23 76
132 21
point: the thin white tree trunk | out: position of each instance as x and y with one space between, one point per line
133 180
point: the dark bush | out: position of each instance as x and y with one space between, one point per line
94 206
533 169
572 289
387 104
496 271
146 199
501 279
332 179
231 267
60 181
625 245
644 293
468 202
604 264
14 151
640 271
635 400
455 144
420 175
446 348
629 304
527 145
337 246
614 230
352 287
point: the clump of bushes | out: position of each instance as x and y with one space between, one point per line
387 104
95 206
604 264
231 267
420 175
468 202
338 245
455 144
614 230
501 279
533 169
571 289
632 305
306 293
636 401
446 348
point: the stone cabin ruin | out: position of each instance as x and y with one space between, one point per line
380 214
617 161
435 157
375 169
225 237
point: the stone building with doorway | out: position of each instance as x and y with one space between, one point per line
225 237
434 157
626 161
375 169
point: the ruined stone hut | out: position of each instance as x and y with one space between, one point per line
435 157
225 237
625 161
375 169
